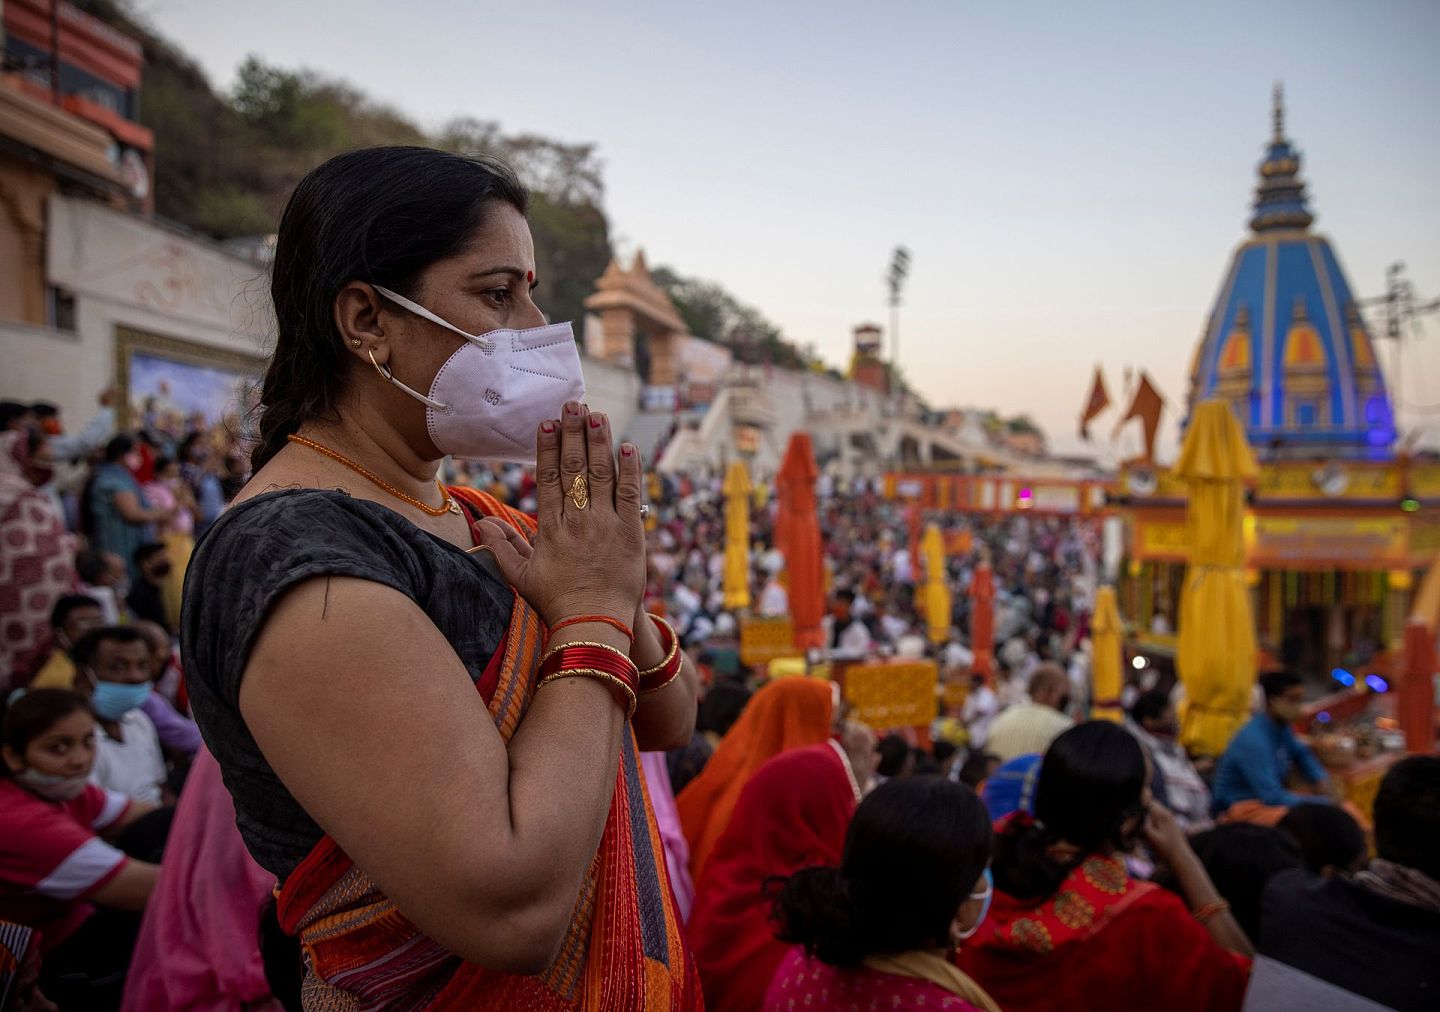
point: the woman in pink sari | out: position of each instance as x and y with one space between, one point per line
199 949
875 932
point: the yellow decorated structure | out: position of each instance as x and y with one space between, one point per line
937 601
737 536
1107 675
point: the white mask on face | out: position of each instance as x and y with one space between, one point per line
489 397
50 786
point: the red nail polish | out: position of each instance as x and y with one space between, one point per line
547 426
595 421
626 450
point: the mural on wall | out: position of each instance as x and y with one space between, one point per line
172 387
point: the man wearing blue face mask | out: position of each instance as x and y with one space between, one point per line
115 668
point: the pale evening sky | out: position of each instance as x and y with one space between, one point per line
1070 178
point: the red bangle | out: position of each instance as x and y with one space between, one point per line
656 678
614 623
591 656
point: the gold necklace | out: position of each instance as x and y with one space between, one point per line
448 506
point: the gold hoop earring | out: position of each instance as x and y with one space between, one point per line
384 371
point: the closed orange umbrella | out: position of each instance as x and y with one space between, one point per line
982 619
798 535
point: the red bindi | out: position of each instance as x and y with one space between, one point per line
529 277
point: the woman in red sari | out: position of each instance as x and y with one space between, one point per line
435 749
792 814
1070 930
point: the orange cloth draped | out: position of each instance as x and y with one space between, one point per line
624 949
797 532
982 620
790 713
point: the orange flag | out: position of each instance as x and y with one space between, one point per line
1098 402
1147 405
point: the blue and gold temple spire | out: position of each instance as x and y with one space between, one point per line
1285 343
1280 196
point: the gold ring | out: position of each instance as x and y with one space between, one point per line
579 492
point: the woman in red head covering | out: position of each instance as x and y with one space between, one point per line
792 814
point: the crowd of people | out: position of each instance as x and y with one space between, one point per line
813 864
488 741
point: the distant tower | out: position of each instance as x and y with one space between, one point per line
866 366
1285 344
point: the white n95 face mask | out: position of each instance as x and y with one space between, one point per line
489 397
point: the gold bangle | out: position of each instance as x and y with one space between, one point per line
595 673
657 688
674 648
585 643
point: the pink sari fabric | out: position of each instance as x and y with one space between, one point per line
802 983
672 837
198 949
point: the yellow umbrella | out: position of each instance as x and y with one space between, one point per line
1107 673
737 536
937 594
1216 658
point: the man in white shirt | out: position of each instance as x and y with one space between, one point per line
1029 727
978 713
114 663
774 599
846 635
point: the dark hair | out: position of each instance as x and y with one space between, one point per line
34 713
182 453
67 604
146 550
379 215
118 447
1241 858
1328 836
1090 785
721 707
1277 683
88 648
44 409
162 462
975 770
1407 814
90 565
11 410
1149 706
915 850
894 750
942 750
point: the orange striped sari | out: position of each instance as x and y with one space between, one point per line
624 949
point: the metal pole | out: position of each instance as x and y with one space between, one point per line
1392 331
895 332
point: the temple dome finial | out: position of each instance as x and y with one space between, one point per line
1280 198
